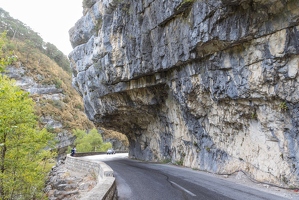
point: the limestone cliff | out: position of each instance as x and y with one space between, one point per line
210 84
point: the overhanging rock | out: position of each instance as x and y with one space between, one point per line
208 84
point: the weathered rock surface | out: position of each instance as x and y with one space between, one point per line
212 84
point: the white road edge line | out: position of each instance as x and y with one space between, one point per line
183 188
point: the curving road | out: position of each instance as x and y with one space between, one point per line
138 180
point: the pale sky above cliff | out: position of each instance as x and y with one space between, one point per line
52 19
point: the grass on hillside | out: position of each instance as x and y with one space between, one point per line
70 109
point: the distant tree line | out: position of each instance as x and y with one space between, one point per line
91 141
16 30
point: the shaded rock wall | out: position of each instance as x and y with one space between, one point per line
208 84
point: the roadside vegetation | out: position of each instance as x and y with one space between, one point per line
25 154
90 142
27 144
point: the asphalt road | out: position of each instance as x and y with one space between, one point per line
138 180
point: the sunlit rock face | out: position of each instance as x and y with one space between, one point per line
211 85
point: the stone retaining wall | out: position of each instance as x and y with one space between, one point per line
95 153
105 188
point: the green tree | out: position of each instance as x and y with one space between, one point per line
55 54
6 58
23 148
23 158
90 142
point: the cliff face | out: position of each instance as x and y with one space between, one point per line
211 85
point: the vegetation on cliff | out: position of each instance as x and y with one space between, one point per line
17 30
114 135
24 148
47 66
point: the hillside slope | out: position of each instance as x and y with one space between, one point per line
44 71
58 105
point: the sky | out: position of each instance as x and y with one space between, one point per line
52 19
